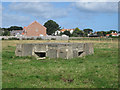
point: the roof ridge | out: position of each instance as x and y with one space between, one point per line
34 22
40 24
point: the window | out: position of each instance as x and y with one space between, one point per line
41 54
80 53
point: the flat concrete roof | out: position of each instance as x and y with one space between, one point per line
54 43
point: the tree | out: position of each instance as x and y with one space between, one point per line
67 33
109 32
6 33
14 28
78 33
99 33
1 31
104 33
51 26
87 31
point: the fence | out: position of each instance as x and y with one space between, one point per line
62 38
94 39
37 37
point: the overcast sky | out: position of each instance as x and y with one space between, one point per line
95 15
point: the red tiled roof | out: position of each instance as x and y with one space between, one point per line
66 30
33 23
113 33
107 34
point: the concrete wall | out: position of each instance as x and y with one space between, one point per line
35 37
55 50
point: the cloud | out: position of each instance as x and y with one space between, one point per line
99 7
61 0
39 9
0 14
98 0
10 19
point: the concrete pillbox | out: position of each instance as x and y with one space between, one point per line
54 50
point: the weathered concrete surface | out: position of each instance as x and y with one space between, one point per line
55 50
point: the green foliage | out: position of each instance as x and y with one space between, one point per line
110 35
6 33
78 33
101 33
51 26
109 32
32 38
1 30
53 38
87 31
61 33
25 38
13 38
14 28
39 38
104 33
114 36
67 33
3 39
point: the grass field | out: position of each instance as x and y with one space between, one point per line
94 71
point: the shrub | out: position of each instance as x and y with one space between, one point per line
3 39
38 38
28 38
23 38
32 38
115 37
13 38
53 38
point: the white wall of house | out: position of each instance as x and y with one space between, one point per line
115 35
71 31
57 32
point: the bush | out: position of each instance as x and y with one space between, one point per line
115 37
23 38
3 39
28 38
32 38
38 38
53 38
13 38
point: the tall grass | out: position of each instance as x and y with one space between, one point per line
99 70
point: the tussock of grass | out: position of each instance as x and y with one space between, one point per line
99 70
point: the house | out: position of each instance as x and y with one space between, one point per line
107 35
16 32
34 29
63 30
57 32
93 35
112 34
71 30
90 33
